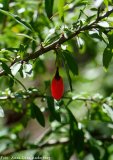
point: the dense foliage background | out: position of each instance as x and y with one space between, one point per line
36 37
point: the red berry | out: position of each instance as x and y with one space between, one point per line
57 86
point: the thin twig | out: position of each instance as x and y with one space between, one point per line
28 95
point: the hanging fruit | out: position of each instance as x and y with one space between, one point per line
57 86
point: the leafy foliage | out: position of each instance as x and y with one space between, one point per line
35 38
107 56
49 7
36 113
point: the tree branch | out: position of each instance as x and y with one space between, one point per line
107 14
27 95
63 39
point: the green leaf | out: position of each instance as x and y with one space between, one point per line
78 140
5 4
49 7
27 70
81 3
6 68
22 22
22 50
54 114
36 113
90 18
107 56
71 62
106 3
67 70
108 110
50 103
26 36
72 118
103 37
69 77
5 52
61 9
11 82
17 19
1 112
51 33
110 39
3 60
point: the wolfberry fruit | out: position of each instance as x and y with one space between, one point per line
57 86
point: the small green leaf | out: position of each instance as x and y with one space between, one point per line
61 9
33 115
107 56
89 19
17 19
36 113
50 103
5 4
26 36
81 3
5 52
110 39
106 3
22 22
67 70
103 37
69 77
71 62
49 7
72 118
51 34
54 114
22 51
11 82
3 60
6 68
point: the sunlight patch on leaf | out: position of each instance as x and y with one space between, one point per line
64 47
108 110
103 24
1 112
27 70
15 68
50 33
97 3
